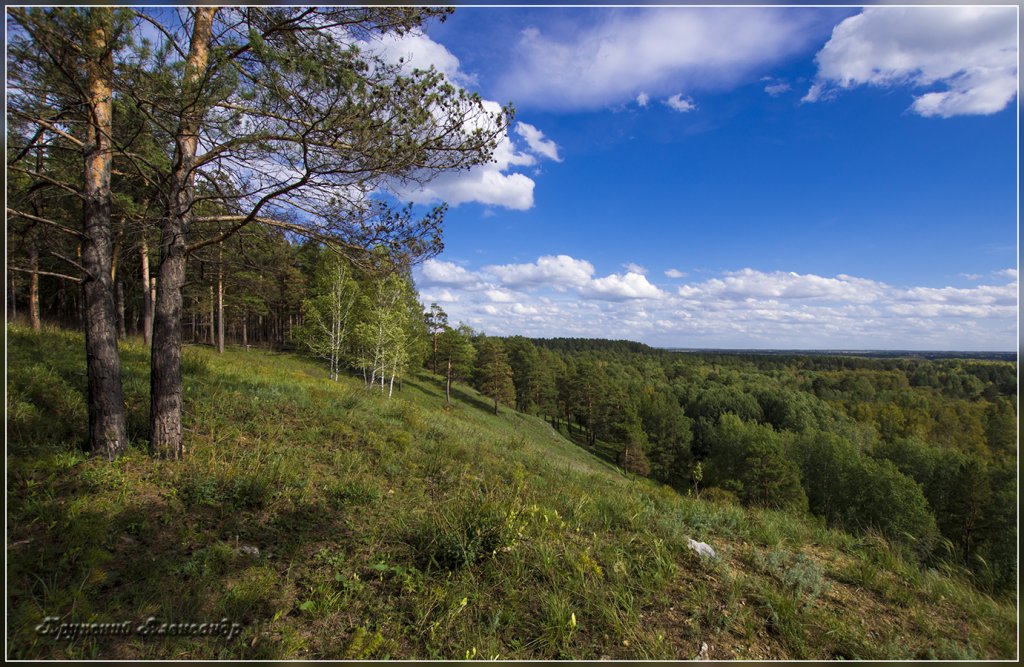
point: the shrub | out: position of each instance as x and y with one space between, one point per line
719 496
470 528
798 574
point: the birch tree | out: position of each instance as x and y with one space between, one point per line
383 334
328 313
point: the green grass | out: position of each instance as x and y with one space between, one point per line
333 523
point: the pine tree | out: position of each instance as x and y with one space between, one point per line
456 350
62 75
493 373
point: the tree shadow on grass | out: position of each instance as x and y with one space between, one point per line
464 396
161 556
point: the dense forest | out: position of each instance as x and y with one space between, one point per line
922 451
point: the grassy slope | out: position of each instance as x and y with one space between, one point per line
403 529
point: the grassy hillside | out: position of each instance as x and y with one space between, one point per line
334 523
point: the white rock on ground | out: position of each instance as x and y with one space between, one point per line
701 548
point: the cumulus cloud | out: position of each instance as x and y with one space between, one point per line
419 51
675 273
628 286
743 308
677 103
635 268
437 272
749 283
558 272
968 52
537 142
485 184
629 54
495 183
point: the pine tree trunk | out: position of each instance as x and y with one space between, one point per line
107 429
33 289
14 299
211 322
122 332
148 292
220 303
448 383
165 376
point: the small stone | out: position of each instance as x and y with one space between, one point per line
701 548
703 653
249 550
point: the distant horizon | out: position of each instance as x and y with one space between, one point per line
839 351
779 350
734 176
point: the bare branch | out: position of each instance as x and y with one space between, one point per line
51 181
45 273
271 222
66 230
170 38
70 261
49 126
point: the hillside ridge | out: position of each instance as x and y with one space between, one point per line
331 522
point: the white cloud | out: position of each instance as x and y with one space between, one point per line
499 295
635 268
675 273
749 283
520 309
485 184
537 142
437 272
419 51
982 295
971 52
558 272
629 54
643 99
439 296
629 286
744 308
495 183
776 89
677 103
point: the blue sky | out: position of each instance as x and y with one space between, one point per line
742 177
